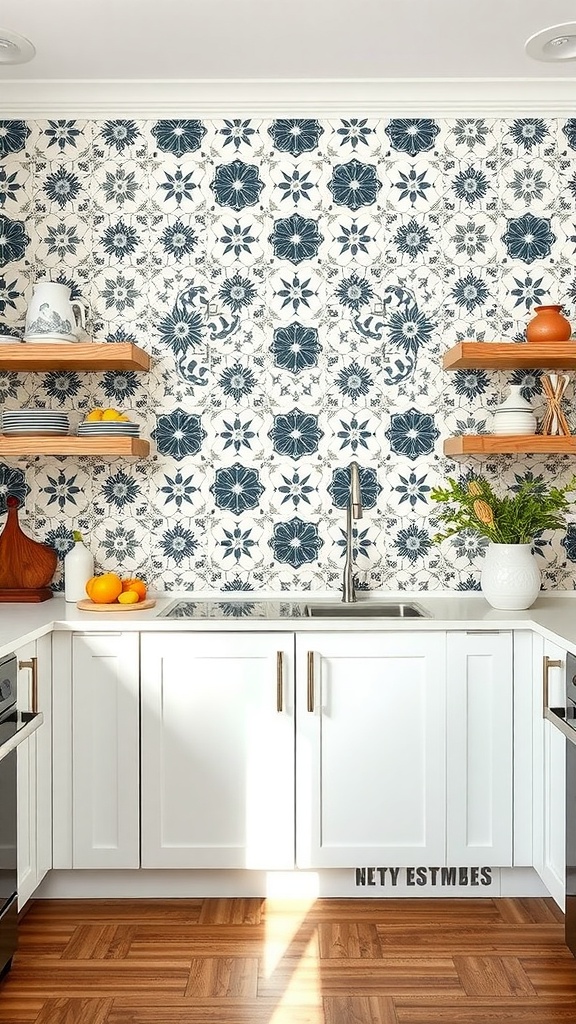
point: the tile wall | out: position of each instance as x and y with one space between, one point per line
296 282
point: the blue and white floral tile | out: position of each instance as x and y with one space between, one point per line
237 544
120 292
120 187
123 543
471 237
412 186
63 489
61 241
62 140
237 433
296 185
353 239
120 490
181 490
530 184
179 187
522 287
296 489
523 137
119 139
122 240
13 301
178 544
408 489
236 136
236 238
472 137
355 136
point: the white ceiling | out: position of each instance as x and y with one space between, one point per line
282 39
376 44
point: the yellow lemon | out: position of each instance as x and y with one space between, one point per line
95 414
111 414
128 597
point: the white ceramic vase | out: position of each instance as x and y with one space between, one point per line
52 315
514 415
510 576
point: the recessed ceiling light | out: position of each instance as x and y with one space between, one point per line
14 48
556 43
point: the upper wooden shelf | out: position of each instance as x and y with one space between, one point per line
508 355
510 444
91 355
67 445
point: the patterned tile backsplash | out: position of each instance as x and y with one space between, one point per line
296 282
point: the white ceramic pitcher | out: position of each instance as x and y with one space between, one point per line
52 315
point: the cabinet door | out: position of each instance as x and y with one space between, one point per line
105 750
34 769
480 749
370 749
549 774
27 801
217 751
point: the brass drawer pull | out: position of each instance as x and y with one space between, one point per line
310 700
547 664
279 682
33 666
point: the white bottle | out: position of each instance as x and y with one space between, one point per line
78 569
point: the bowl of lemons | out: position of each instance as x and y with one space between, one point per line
108 422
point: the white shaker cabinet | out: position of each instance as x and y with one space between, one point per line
34 769
218 750
549 766
104 756
371 739
480 748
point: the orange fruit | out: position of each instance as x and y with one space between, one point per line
135 584
104 589
128 597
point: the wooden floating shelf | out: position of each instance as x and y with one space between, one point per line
488 355
91 355
512 444
36 445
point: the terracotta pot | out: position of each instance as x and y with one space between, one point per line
548 325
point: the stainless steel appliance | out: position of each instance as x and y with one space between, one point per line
14 727
564 718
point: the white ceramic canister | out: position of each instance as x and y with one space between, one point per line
515 415
78 569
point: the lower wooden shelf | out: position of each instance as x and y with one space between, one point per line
494 444
73 446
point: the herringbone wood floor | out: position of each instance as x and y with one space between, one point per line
252 961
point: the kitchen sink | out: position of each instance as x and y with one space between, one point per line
366 610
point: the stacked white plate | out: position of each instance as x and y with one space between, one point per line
108 428
42 422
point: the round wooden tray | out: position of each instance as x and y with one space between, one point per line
90 606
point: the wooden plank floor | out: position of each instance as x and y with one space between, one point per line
252 961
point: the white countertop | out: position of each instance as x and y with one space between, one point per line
552 615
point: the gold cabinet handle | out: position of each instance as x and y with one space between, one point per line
310 698
279 681
33 666
547 664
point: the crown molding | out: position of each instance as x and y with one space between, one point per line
149 99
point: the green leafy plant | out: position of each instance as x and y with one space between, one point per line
472 504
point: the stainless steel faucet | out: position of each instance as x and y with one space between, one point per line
353 511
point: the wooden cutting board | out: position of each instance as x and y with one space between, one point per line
90 606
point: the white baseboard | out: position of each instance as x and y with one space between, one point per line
274 884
